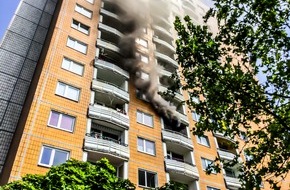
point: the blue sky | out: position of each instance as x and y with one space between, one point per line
7 9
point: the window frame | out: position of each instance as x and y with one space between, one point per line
195 116
66 91
142 122
91 1
76 42
207 160
199 140
146 185
59 121
70 66
84 9
79 28
140 41
52 155
144 147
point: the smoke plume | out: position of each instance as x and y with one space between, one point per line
135 16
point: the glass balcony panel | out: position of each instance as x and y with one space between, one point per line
166 59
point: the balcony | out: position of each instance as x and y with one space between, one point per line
178 96
166 59
109 13
225 154
232 182
176 137
163 31
110 29
112 67
165 73
109 115
222 136
164 44
106 145
108 45
182 117
181 169
103 86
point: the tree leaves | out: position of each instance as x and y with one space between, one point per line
223 67
74 175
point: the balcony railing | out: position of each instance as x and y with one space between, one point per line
222 135
110 29
164 43
109 115
177 95
108 13
232 182
225 154
182 117
106 145
107 87
176 137
163 30
166 59
109 45
110 66
181 168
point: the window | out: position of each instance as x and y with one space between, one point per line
144 118
61 121
211 188
72 66
144 59
243 136
80 27
144 76
146 146
203 140
67 91
83 11
206 163
147 179
90 1
52 156
77 45
195 116
142 42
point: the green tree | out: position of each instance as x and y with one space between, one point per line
74 175
253 37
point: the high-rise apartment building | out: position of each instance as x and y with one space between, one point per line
79 79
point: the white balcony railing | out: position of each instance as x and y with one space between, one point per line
181 168
182 117
103 86
108 13
166 59
110 29
232 182
176 137
108 45
163 30
112 67
109 115
177 95
224 154
164 43
106 146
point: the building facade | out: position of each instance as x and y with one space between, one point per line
79 79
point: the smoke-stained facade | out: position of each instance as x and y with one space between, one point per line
96 93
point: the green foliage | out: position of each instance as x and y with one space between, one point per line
74 175
223 68
173 186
